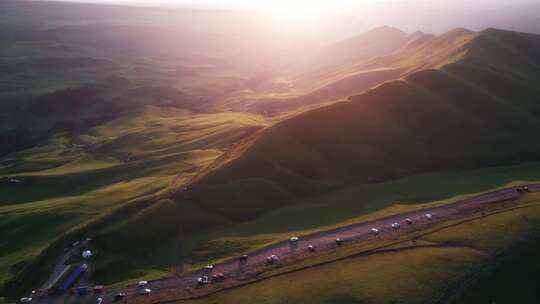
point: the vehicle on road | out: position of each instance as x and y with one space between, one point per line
26 300
208 267
311 248
82 290
99 288
428 216
145 291
99 300
409 221
218 277
272 259
396 225
294 239
119 296
202 280
87 254
522 189
339 241
374 230
244 257
142 283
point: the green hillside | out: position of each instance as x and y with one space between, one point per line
465 115
115 176
436 268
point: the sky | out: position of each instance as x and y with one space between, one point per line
317 6
428 15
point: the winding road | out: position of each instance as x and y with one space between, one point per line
287 251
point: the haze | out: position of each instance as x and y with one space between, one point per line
432 16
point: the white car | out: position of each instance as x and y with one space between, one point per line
294 239
271 259
99 300
409 221
145 291
374 230
26 300
202 280
428 216
396 225
209 267
142 283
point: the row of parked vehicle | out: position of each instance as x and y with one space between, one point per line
273 258
205 278
397 225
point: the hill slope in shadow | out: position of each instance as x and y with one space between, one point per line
481 109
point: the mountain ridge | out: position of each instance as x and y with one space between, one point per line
411 125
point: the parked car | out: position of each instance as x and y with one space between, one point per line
218 277
119 296
202 280
82 291
396 225
272 259
145 291
26 300
99 288
142 283
294 239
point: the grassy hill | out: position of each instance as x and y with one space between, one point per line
116 175
127 129
350 67
470 113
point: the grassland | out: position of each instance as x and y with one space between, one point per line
355 202
426 272
117 173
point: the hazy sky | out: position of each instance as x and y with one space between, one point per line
428 15
318 6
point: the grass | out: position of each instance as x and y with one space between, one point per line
84 183
440 119
360 202
421 274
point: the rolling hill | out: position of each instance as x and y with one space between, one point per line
480 108
125 130
352 66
